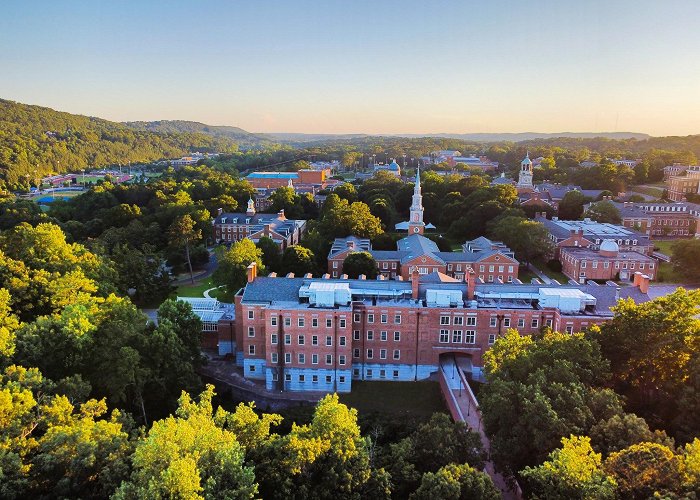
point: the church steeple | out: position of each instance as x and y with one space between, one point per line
525 176
416 224
250 210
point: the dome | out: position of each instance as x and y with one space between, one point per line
609 247
526 160
393 165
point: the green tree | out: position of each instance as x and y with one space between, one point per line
528 239
298 260
685 258
644 469
456 482
271 256
572 471
340 219
232 266
604 211
346 191
621 431
357 263
571 205
182 234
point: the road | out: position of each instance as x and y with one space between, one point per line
201 274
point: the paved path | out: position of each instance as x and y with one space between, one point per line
208 271
206 292
468 412
543 277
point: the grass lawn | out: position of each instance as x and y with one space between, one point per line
664 246
398 398
196 290
651 191
542 266
525 275
666 274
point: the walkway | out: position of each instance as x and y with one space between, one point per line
543 277
206 292
199 275
464 407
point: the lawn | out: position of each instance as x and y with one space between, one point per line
542 266
666 274
196 290
650 191
397 398
525 275
664 246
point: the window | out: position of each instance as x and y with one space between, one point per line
335 264
382 353
458 320
341 340
329 322
606 265
569 329
384 318
341 379
288 321
341 360
356 335
444 336
534 323
314 322
370 353
370 318
314 379
314 340
273 339
383 336
506 322
370 335
397 319
444 320
287 377
471 320
482 268
314 359
251 349
287 339
491 268
301 322
369 373
329 340
329 359
397 336
273 321
549 323
341 323
301 340
356 372
287 357
251 314
251 369
583 264
469 337
301 358
251 331
396 374
457 336
382 373
494 321
274 376
521 322
328 379
595 264
356 317
355 353
273 357
492 338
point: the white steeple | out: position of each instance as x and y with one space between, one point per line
250 210
525 176
416 224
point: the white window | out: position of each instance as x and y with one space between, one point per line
314 359
335 264
492 338
534 323
274 376
251 314
396 374
370 335
329 359
494 321
370 355
273 357
287 357
383 336
341 340
273 321
583 264
314 340
384 318
521 322
471 320
341 379
506 322
314 322
569 329
397 336
458 320
341 360
444 320
314 379
356 335
251 331
341 323
382 353
457 336
370 318
397 319
287 377
301 358
355 353
287 321
288 339
329 340
356 317
469 337
397 354
301 322
444 336
329 322
300 340
273 339
328 379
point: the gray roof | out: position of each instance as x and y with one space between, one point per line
561 229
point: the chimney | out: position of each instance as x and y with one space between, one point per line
362 277
219 211
471 283
343 276
617 293
326 276
290 275
266 231
308 275
280 215
351 245
381 277
252 272
414 283
644 283
272 275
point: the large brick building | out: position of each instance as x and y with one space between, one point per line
658 220
232 227
273 180
678 186
607 262
306 334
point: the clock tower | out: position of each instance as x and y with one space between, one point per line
416 224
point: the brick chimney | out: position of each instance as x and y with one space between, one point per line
219 211
470 278
642 281
351 245
414 283
252 272
280 215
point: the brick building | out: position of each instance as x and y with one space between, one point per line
306 334
608 262
678 186
232 227
274 180
660 219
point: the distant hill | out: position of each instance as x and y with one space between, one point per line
36 141
476 137
182 126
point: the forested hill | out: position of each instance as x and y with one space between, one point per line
182 126
35 141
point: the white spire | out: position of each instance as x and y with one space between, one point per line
416 189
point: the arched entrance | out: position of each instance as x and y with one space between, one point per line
454 362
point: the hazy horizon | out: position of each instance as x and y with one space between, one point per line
362 68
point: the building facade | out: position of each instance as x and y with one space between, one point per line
232 227
608 262
306 334
274 180
679 186
659 220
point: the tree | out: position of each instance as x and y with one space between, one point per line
644 469
357 263
604 211
456 482
571 205
528 239
298 260
189 456
340 218
271 256
346 191
572 471
232 266
685 258
182 233
621 431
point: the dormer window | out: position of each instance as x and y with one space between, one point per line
223 220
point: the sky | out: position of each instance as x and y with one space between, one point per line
358 66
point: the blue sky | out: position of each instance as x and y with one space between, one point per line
362 66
